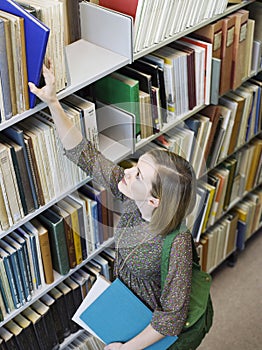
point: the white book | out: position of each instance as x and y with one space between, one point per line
9 184
233 107
160 30
88 117
153 22
42 160
199 71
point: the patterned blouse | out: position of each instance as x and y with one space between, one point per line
138 251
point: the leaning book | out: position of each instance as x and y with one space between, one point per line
112 313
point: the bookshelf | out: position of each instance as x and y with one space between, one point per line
86 65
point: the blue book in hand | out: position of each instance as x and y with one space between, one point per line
36 38
117 315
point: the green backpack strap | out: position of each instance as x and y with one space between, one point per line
201 281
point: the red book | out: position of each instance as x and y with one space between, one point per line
127 7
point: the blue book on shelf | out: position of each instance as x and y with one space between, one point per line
36 38
117 315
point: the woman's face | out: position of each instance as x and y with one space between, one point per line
137 181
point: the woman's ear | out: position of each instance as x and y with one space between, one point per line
154 202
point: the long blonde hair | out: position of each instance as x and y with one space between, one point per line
175 186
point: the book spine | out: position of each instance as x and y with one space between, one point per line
23 273
35 261
6 113
46 258
18 278
13 287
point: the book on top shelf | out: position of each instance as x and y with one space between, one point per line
5 91
36 38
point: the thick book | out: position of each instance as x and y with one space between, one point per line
56 301
70 305
121 90
28 332
228 31
116 315
36 38
17 135
68 233
72 209
6 111
55 226
50 340
239 48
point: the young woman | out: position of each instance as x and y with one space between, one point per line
157 194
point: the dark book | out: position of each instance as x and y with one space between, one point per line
51 340
37 325
35 171
155 71
10 276
8 339
28 332
16 134
55 225
32 255
21 337
22 269
68 233
21 173
15 269
153 59
55 300
70 305
76 291
145 84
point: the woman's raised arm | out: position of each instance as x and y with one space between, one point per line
68 133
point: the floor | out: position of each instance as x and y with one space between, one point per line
237 298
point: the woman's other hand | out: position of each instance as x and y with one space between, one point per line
113 346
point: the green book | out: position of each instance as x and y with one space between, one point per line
55 225
121 90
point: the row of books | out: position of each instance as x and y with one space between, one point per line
213 134
234 52
48 321
157 87
232 231
227 184
32 168
57 240
157 20
85 341
174 79
30 32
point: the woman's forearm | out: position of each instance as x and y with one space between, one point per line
68 133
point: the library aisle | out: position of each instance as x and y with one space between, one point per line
237 302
